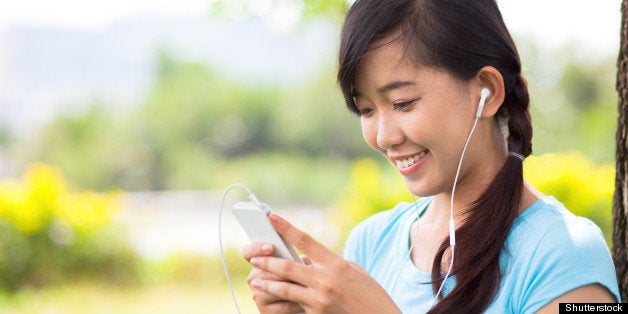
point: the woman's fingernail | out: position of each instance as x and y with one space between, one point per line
274 219
256 283
267 248
255 261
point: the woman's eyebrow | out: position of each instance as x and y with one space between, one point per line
386 88
394 85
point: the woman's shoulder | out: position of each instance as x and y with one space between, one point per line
551 251
549 218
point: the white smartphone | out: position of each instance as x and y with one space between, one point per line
254 221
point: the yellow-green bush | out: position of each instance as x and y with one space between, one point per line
51 233
42 197
370 190
584 188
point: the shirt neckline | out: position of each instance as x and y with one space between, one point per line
416 275
410 271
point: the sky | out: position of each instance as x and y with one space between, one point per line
553 23
89 14
549 22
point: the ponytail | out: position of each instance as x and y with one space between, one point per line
517 106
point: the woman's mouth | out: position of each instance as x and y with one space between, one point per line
408 166
410 161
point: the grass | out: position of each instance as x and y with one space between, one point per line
91 298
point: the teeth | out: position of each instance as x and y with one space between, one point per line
405 163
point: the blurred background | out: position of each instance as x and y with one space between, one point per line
121 122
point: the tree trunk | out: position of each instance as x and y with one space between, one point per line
620 199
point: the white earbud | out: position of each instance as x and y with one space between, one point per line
483 95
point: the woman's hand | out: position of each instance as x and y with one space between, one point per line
329 284
266 302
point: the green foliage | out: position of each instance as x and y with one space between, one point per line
580 86
192 118
6 136
306 8
294 179
192 105
314 120
575 109
51 234
332 9
198 129
79 141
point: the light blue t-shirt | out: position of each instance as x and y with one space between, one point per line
549 252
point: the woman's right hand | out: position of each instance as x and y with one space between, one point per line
266 302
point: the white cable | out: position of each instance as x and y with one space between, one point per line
222 253
452 223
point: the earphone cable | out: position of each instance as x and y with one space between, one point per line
452 223
222 252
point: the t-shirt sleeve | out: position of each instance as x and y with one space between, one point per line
572 253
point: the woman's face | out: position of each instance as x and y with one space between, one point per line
418 117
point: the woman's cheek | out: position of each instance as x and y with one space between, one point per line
369 132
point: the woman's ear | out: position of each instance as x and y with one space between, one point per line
492 79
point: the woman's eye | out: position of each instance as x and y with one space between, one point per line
365 112
404 105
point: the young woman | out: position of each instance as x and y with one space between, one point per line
438 89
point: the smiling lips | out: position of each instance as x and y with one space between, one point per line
407 162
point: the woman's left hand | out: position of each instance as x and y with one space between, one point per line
329 285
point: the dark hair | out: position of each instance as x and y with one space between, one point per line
460 37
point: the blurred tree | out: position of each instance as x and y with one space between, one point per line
313 120
300 9
81 143
587 87
6 136
194 116
196 123
576 110
579 85
620 200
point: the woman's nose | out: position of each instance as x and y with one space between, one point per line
389 133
